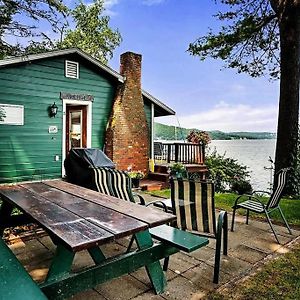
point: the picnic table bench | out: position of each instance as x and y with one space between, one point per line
15 282
79 219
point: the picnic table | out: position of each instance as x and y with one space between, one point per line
79 219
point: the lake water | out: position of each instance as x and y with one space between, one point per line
252 153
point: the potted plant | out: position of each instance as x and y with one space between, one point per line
136 176
178 170
198 136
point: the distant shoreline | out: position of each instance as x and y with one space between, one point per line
185 141
172 133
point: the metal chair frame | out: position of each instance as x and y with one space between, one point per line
254 204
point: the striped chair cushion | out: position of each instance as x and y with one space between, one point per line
193 202
121 185
102 180
277 191
252 205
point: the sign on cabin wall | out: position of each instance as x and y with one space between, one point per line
11 114
82 97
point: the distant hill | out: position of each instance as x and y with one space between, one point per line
166 132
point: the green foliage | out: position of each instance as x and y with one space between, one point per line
262 37
178 170
165 193
225 171
241 187
136 174
166 132
225 201
92 33
198 136
278 279
248 42
32 12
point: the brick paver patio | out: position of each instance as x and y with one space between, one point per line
189 275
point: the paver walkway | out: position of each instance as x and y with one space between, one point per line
189 275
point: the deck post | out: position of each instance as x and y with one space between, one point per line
176 152
169 153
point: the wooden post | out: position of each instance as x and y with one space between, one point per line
176 152
169 153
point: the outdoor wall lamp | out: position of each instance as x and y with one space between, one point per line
53 110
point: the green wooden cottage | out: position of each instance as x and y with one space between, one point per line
53 101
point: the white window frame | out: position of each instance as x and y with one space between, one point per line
89 105
19 109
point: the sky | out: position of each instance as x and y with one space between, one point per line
204 94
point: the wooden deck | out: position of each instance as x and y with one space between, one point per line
159 179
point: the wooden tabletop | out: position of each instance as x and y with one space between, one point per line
78 217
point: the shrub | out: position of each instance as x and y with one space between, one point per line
241 187
224 171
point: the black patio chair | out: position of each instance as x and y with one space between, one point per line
255 204
193 203
158 151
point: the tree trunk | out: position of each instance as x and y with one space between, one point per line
287 130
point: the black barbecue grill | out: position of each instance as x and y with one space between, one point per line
79 166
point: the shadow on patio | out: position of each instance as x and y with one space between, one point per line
189 275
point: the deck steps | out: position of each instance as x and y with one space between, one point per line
151 185
158 176
159 179
161 168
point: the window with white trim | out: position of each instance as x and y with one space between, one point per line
72 69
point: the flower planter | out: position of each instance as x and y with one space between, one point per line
135 182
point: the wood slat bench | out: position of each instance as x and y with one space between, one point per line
183 240
15 282
79 219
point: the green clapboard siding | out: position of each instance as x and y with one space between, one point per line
27 152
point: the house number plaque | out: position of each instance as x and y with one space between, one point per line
52 129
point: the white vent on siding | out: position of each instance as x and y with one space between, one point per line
72 69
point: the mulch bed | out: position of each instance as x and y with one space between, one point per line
25 232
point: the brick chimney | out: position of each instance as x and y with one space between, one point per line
127 135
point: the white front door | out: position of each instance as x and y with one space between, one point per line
77 126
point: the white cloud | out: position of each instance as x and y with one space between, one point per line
108 5
153 2
227 117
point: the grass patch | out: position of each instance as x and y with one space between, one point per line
278 279
166 193
225 201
